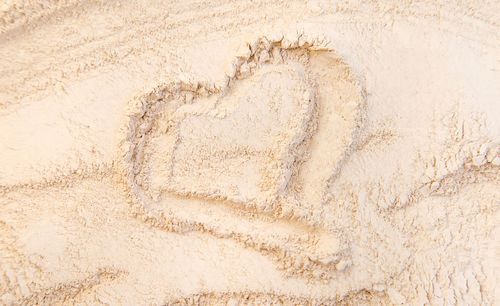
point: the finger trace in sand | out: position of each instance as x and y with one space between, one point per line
258 147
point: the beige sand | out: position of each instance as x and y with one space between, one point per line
180 152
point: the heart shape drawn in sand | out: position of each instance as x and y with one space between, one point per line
251 161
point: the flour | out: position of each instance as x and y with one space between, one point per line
249 153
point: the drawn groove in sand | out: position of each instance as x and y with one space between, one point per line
67 292
264 145
267 298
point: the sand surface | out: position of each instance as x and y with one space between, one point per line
249 152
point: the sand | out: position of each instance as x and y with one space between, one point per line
243 153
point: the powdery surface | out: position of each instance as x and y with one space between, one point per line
249 152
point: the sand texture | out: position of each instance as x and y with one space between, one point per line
249 152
